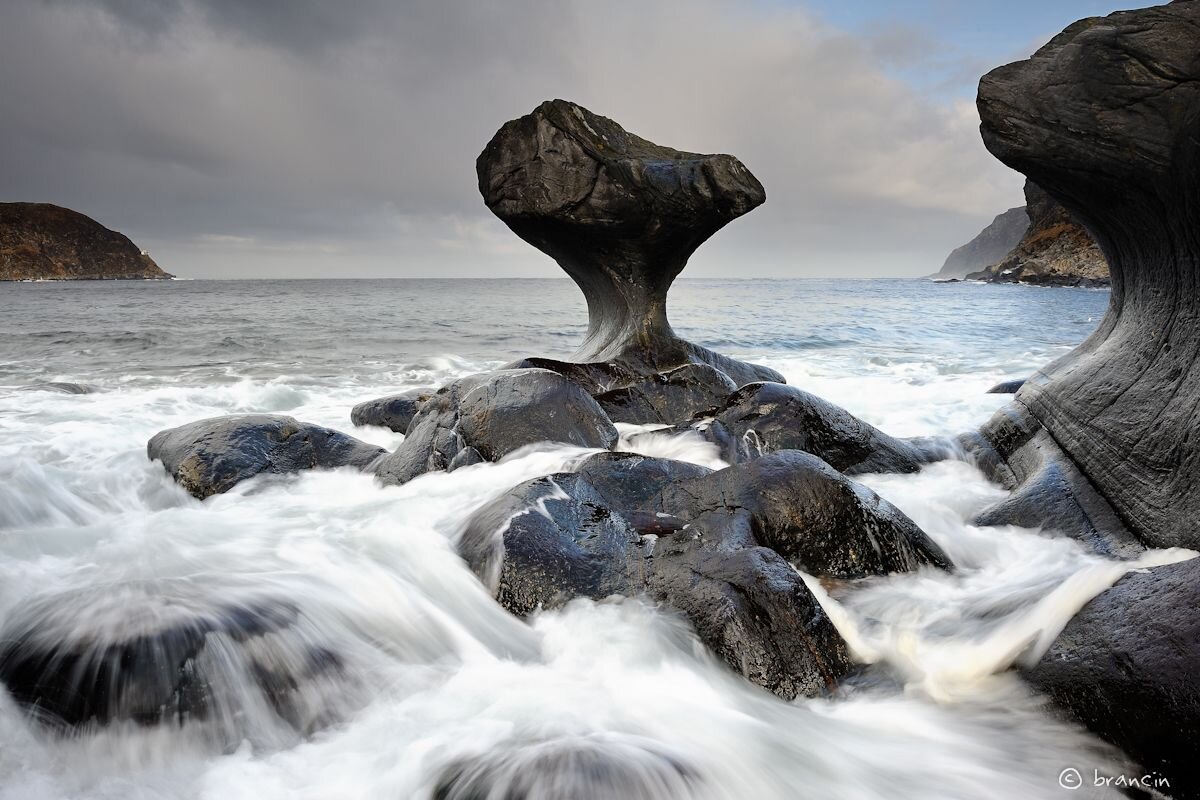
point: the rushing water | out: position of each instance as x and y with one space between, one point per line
431 676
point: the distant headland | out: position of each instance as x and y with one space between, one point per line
41 241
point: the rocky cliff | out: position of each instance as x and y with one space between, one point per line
991 244
1053 251
40 241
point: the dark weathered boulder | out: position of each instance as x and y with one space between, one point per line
762 418
1125 667
1104 119
668 397
395 411
808 512
214 455
598 767
621 215
155 655
552 539
490 415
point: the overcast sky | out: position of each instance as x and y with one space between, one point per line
310 138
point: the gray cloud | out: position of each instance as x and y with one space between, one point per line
315 138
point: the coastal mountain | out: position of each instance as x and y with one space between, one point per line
1054 251
41 241
992 244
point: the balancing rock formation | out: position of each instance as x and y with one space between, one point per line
1105 441
621 216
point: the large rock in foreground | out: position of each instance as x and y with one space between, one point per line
1105 118
1054 251
40 241
621 215
717 547
212 456
1125 667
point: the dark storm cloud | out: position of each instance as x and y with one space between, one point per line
311 138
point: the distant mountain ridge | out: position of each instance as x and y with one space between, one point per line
42 241
1055 250
991 244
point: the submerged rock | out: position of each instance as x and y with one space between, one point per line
395 411
485 417
1125 667
762 418
212 456
714 546
1103 118
599 767
1007 387
621 216
155 655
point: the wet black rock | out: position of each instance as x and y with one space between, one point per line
63 388
133 653
808 512
490 415
668 397
394 411
1125 667
1104 119
607 767
1007 387
762 418
212 456
621 215
713 546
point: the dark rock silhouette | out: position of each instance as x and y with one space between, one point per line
40 241
1007 387
989 246
1125 666
621 216
485 417
762 418
1104 118
394 411
212 456
1054 250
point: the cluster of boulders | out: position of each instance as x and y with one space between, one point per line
1100 445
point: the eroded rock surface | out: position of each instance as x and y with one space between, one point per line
1104 119
212 456
621 215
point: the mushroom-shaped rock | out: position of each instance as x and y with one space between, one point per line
160 652
1105 118
762 418
555 538
1125 667
394 412
621 215
212 456
487 416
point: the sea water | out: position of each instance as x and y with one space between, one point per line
434 677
